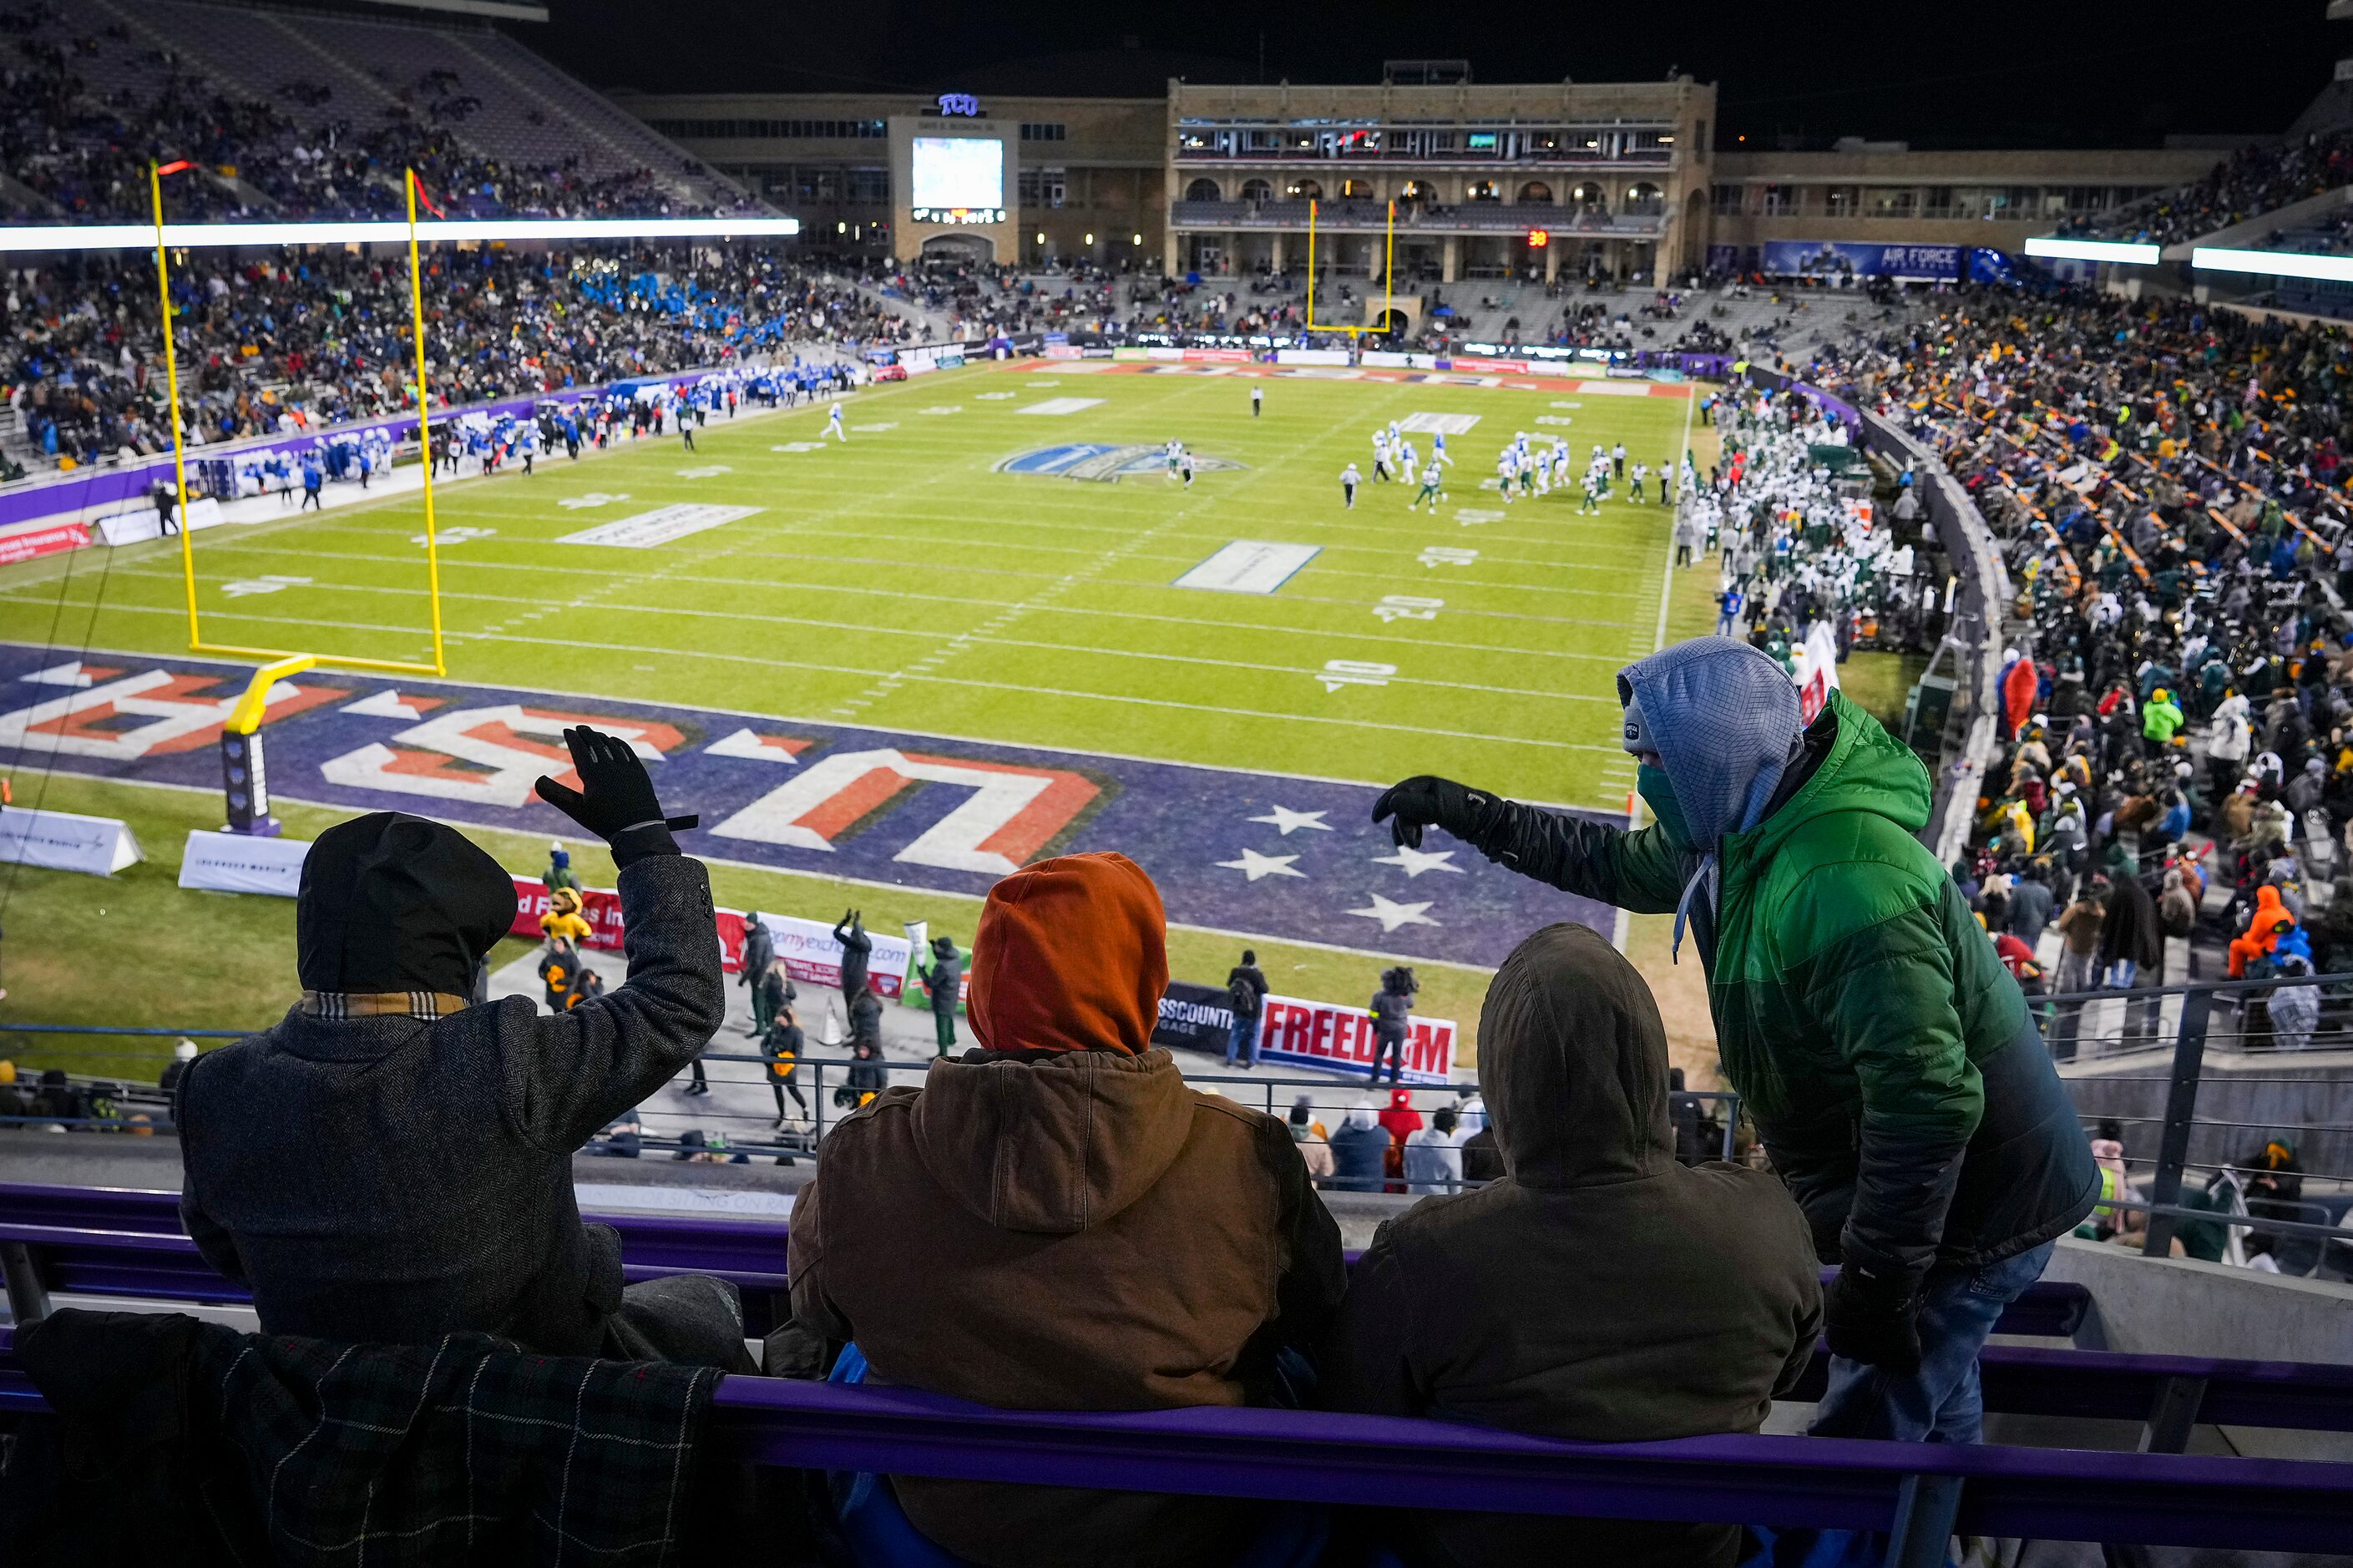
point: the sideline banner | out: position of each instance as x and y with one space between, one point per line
242 863
67 841
27 543
1193 1017
132 527
1326 1035
810 955
1312 1034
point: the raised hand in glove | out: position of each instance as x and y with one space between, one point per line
616 799
1873 1318
1425 801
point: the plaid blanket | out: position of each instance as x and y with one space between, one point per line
470 1450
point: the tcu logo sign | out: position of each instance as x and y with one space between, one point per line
153 713
1012 813
487 756
959 104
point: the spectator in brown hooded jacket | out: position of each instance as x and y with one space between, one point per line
1599 1291
1053 1221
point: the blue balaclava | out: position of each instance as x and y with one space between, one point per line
1713 724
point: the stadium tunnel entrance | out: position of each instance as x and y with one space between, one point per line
966 249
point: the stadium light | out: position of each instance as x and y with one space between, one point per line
2274 263
36 237
2129 253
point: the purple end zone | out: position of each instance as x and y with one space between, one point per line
1272 856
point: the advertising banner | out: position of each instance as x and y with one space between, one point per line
67 841
1841 258
1326 1034
1193 1018
243 863
27 543
144 523
807 947
1312 356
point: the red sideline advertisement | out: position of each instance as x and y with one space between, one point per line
810 955
1326 1034
26 543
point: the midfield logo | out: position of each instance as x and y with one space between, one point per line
1104 460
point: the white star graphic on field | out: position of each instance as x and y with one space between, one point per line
1417 861
1286 819
1393 915
1254 865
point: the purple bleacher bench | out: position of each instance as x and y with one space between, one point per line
85 1243
128 1244
1920 1492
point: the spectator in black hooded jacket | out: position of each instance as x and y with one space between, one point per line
391 1163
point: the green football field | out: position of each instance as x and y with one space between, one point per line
901 580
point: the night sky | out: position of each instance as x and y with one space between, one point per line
1987 75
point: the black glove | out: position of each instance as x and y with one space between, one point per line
1424 801
1873 1318
615 801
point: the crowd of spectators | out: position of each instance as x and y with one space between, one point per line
82 153
2168 487
304 340
2248 184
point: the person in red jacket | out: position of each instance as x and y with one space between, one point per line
2020 683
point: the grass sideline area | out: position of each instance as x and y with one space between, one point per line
135 949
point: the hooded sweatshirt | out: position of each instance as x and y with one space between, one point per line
1886 1055
1055 1221
393 1178
1599 1291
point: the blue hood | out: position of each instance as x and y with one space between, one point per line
1724 718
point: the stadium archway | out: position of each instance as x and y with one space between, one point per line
1356 190
1644 200
965 249
1203 190
1415 193
1536 191
1390 323
1304 191
1257 191
1588 197
1482 191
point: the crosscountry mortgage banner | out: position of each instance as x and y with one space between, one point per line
67 841
1326 1035
243 863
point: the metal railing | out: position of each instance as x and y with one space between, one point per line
2215 1132
827 1096
2209 1127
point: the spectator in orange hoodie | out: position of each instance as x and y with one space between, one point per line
1055 1221
2270 921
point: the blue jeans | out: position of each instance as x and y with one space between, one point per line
1942 1401
1242 1040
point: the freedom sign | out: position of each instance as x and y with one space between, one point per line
1326 1035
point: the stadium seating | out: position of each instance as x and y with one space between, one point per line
264 96
113 1242
1919 1492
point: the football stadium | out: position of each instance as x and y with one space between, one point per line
1569 802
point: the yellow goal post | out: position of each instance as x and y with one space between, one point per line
278 660
1388 277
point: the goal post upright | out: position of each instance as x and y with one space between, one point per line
172 390
424 427
1388 277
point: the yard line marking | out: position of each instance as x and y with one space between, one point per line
879 674
547 569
